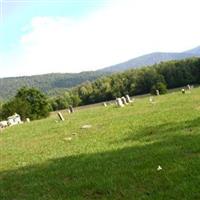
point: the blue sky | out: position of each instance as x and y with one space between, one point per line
45 36
17 13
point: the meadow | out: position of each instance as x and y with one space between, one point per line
117 158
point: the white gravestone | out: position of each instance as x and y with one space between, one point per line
124 100
105 104
157 92
128 99
119 102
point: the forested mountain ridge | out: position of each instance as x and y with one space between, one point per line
55 83
48 83
151 59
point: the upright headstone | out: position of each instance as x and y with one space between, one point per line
188 87
128 99
119 102
28 120
71 110
157 92
183 91
61 116
124 100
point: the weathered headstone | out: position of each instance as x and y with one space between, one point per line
157 92
183 91
28 120
151 99
105 104
71 110
3 124
128 99
119 102
87 126
188 87
124 100
61 116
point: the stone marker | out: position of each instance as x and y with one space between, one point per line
105 104
128 99
71 110
151 99
119 102
183 91
28 120
157 92
188 87
68 139
124 100
86 126
61 116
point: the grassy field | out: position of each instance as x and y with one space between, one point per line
117 158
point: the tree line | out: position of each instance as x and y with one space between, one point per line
162 76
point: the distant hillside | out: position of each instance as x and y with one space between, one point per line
48 83
150 59
54 83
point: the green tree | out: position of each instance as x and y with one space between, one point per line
161 87
28 102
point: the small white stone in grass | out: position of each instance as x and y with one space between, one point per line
68 139
86 126
159 168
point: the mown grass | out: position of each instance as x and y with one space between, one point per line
117 158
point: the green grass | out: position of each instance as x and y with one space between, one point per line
115 159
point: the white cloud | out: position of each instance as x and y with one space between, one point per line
119 32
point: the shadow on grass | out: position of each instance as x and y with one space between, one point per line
163 131
129 173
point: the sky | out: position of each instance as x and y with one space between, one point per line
49 36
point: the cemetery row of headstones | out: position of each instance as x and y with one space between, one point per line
189 87
121 102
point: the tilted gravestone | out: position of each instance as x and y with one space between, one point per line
128 99
105 104
71 109
60 116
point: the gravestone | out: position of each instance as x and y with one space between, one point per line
105 104
157 92
188 87
128 99
124 100
151 99
28 120
61 116
119 102
183 91
71 110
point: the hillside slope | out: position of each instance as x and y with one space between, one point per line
48 83
151 59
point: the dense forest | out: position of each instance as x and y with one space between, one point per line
50 84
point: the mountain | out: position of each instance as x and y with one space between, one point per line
152 58
49 83
57 82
